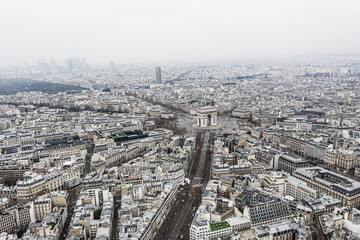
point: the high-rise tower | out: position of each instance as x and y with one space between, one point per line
158 75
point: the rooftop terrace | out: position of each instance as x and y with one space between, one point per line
219 226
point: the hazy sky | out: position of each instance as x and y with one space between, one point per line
169 30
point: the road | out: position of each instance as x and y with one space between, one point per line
179 78
198 180
117 206
181 214
73 194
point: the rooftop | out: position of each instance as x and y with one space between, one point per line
219 226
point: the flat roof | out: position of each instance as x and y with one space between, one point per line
329 178
237 220
219 226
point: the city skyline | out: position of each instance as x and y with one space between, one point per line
191 120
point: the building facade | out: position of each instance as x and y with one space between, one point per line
340 187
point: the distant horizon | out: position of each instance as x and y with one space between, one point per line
220 61
159 31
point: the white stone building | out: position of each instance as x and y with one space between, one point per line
206 116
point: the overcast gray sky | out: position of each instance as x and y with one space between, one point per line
169 30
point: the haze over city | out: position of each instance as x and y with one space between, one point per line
190 120
161 31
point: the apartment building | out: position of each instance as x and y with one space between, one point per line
267 213
202 228
13 173
7 222
298 189
30 187
42 207
340 187
342 158
289 163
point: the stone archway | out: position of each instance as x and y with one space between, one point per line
207 117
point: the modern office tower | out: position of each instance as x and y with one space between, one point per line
158 75
75 64
43 66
